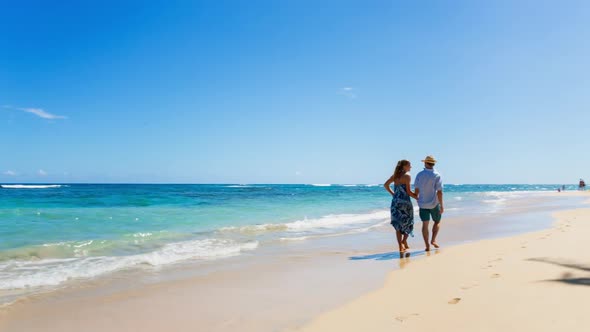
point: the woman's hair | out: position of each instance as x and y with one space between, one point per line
399 169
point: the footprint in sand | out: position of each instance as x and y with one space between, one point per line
496 275
455 300
402 318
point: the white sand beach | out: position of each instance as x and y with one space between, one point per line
534 282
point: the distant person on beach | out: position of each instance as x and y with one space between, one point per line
402 210
582 184
429 188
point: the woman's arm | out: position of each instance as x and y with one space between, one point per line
406 180
388 184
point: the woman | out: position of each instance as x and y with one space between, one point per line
402 210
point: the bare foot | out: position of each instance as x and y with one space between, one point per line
435 244
427 248
402 249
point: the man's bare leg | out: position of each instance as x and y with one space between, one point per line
435 229
425 234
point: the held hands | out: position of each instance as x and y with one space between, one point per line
442 209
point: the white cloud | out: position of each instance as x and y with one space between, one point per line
9 173
38 112
42 114
42 172
349 92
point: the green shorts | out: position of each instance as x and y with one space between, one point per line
434 212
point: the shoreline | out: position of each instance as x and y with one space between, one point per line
536 281
269 291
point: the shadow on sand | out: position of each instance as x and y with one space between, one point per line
567 277
388 256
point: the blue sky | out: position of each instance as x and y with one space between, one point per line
293 91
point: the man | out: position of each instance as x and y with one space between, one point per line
429 188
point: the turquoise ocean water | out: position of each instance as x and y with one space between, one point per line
51 233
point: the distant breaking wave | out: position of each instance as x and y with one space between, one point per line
30 186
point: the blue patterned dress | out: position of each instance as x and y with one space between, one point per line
402 210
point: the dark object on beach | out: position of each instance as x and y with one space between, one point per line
582 184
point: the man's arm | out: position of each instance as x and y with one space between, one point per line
439 194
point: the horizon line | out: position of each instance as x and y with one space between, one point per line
236 183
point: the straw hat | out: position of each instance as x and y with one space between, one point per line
429 160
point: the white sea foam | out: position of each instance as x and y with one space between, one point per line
332 221
30 186
296 238
18 274
498 199
54 244
349 232
140 234
321 185
336 220
253 229
504 195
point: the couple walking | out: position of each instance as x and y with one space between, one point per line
428 191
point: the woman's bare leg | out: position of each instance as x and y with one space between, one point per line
398 235
405 241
